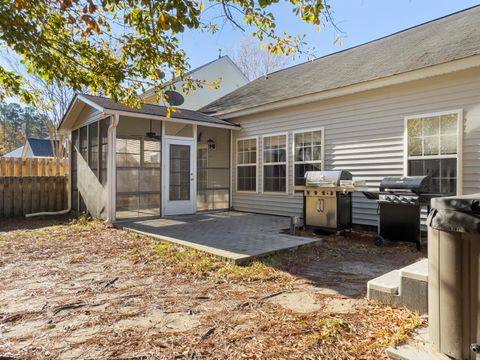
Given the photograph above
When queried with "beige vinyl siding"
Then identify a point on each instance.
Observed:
(88, 115)
(364, 133)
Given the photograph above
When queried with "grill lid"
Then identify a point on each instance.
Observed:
(326, 178)
(414, 184)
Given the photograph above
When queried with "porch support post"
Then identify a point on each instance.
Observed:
(112, 168)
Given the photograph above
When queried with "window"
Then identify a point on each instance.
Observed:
(308, 154)
(432, 149)
(275, 163)
(247, 164)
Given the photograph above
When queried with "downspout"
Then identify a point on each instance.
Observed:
(111, 169)
(69, 200)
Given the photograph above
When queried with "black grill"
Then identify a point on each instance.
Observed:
(400, 200)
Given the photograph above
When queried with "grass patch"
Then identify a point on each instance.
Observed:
(380, 326)
(331, 328)
(185, 260)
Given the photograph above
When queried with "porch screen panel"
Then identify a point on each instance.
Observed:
(213, 169)
(73, 170)
(103, 149)
(93, 148)
(83, 148)
(138, 169)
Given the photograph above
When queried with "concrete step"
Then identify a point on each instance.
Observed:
(416, 271)
(405, 287)
(419, 348)
(385, 288)
(414, 286)
(410, 352)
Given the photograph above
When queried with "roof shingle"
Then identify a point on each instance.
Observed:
(156, 110)
(453, 37)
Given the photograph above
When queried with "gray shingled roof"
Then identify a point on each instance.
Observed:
(41, 147)
(443, 40)
(156, 110)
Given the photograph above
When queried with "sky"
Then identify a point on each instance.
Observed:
(360, 20)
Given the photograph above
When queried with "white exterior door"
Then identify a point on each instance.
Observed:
(179, 179)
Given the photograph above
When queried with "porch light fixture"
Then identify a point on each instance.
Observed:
(211, 144)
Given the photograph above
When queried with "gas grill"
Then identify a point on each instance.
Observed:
(328, 199)
(400, 201)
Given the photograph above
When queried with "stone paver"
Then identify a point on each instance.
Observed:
(232, 235)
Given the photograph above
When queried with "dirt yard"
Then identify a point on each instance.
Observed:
(83, 290)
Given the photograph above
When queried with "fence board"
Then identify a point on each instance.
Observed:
(35, 194)
(33, 167)
(2, 167)
(30, 194)
(2, 212)
(7, 201)
(17, 197)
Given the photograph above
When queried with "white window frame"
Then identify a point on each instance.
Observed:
(237, 165)
(286, 163)
(458, 155)
(322, 154)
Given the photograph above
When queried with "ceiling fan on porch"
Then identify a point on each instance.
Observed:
(151, 134)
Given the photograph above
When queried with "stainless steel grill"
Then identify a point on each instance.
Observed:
(328, 199)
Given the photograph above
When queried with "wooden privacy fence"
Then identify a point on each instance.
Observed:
(32, 185)
(33, 167)
(31, 194)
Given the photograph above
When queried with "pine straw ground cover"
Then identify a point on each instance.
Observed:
(85, 290)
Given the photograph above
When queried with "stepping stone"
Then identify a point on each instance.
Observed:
(301, 302)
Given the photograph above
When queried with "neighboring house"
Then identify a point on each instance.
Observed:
(35, 148)
(406, 104)
(39, 148)
(17, 153)
(222, 68)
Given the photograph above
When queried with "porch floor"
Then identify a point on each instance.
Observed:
(235, 236)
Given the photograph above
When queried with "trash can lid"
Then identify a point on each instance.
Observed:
(464, 203)
(455, 213)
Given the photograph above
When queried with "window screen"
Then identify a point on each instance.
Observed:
(308, 153)
(247, 165)
(275, 163)
(432, 144)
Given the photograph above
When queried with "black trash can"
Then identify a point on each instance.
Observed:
(453, 275)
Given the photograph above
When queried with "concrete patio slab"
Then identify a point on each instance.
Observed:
(234, 236)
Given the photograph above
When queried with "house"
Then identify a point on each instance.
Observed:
(405, 104)
(223, 69)
(35, 148)
(17, 153)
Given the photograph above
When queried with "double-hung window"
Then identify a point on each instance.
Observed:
(275, 163)
(308, 154)
(247, 164)
(433, 147)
